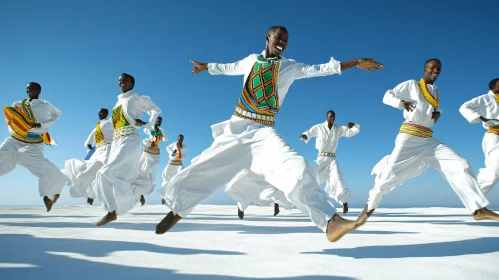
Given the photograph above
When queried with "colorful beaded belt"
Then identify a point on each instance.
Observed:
(416, 130)
(151, 150)
(240, 112)
(124, 131)
(30, 138)
(323, 154)
(493, 129)
(102, 143)
(175, 162)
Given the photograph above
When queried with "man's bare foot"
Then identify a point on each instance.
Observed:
(56, 197)
(90, 201)
(345, 208)
(48, 203)
(485, 214)
(110, 216)
(363, 216)
(163, 201)
(167, 223)
(240, 213)
(276, 209)
(142, 200)
(337, 227)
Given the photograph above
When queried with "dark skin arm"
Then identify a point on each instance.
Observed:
(90, 146)
(409, 106)
(367, 64)
(486, 120)
(304, 137)
(139, 122)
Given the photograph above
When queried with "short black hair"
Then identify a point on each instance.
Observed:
(180, 135)
(129, 76)
(275, 28)
(492, 83)
(432, 59)
(331, 111)
(104, 110)
(37, 85)
(159, 118)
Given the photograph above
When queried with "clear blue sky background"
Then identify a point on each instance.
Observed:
(77, 49)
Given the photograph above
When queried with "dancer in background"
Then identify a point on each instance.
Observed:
(113, 183)
(29, 121)
(81, 173)
(328, 134)
(485, 109)
(177, 152)
(416, 149)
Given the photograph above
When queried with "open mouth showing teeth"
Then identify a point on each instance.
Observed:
(279, 48)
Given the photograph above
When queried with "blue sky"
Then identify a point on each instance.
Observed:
(76, 50)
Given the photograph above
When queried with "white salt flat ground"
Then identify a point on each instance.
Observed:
(212, 243)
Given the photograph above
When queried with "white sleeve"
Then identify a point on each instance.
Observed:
(90, 139)
(153, 110)
(349, 132)
(469, 109)
(401, 92)
(240, 67)
(54, 116)
(302, 70)
(312, 132)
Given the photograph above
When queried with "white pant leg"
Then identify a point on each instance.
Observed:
(245, 188)
(146, 181)
(51, 180)
(459, 174)
(323, 167)
(113, 181)
(289, 172)
(169, 172)
(212, 170)
(336, 188)
(406, 161)
(488, 176)
(9, 155)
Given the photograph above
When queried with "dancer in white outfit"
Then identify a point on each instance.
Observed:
(114, 180)
(28, 121)
(81, 173)
(328, 134)
(485, 109)
(177, 152)
(249, 140)
(149, 161)
(416, 149)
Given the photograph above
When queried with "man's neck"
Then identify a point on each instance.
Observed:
(330, 125)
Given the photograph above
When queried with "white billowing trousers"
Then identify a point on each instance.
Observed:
(488, 176)
(81, 173)
(410, 158)
(146, 181)
(248, 187)
(243, 144)
(169, 172)
(14, 152)
(329, 172)
(113, 183)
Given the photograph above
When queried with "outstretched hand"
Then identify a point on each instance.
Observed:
(199, 66)
(303, 137)
(369, 64)
(350, 125)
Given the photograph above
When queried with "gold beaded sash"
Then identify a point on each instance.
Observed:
(416, 130)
